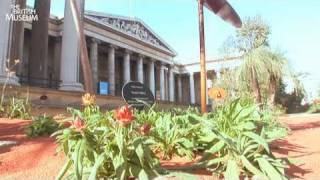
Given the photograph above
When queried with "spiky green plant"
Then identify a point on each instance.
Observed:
(236, 143)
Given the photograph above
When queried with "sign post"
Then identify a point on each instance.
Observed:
(137, 95)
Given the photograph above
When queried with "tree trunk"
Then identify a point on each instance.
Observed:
(256, 87)
(272, 89)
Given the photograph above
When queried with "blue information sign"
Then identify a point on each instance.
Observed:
(103, 88)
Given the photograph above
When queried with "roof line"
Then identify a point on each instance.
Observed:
(96, 13)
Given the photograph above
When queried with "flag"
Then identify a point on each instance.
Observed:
(223, 9)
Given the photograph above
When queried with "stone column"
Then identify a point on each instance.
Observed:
(94, 62)
(70, 52)
(191, 81)
(166, 80)
(162, 82)
(5, 25)
(179, 88)
(171, 84)
(111, 69)
(151, 77)
(57, 56)
(38, 59)
(126, 66)
(218, 75)
(140, 68)
(16, 49)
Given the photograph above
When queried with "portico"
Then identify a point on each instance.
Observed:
(120, 49)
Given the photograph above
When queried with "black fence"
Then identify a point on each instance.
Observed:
(39, 82)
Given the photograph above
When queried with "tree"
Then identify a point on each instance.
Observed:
(262, 67)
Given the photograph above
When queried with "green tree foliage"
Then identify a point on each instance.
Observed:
(262, 68)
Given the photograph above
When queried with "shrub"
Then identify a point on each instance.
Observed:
(315, 107)
(41, 126)
(122, 144)
(173, 133)
(18, 108)
(106, 145)
(15, 106)
(273, 128)
(236, 144)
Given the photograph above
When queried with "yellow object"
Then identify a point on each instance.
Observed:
(217, 93)
(88, 99)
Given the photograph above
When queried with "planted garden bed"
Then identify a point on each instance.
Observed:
(30, 160)
(232, 142)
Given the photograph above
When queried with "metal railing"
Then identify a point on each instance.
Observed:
(39, 82)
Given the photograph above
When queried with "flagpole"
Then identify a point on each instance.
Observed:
(203, 74)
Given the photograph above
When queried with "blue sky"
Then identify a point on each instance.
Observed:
(295, 27)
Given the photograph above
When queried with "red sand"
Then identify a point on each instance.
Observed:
(31, 159)
(36, 159)
(302, 146)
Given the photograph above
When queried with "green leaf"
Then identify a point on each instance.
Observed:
(214, 161)
(217, 147)
(140, 153)
(64, 170)
(271, 171)
(247, 164)
(119, 166)
(76, 159)
(246, 126)
(94, 169)
(258, 139)
(143, 175)
(232, 171)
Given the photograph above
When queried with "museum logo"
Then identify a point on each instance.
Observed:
(18, 14)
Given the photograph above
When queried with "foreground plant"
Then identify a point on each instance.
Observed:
(121, 144)
(101, 146)
(236, 144)
(172, 134)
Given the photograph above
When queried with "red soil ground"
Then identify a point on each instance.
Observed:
(36, 159)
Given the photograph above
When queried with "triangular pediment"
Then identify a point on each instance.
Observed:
(133, 27)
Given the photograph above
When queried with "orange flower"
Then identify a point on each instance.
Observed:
(217, 93)
(145, 129)
(316, 101)
(124, 115)
(79, 124)
(88, 99)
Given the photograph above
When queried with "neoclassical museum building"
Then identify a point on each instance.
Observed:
(120, 49)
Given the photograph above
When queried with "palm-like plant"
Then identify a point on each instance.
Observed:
(262, 67)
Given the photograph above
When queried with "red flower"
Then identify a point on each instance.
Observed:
(145, 129)
(79, 124)
(124, 115)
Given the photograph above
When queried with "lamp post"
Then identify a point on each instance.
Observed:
(223, 9)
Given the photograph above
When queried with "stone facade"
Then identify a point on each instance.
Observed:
(120, 49)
